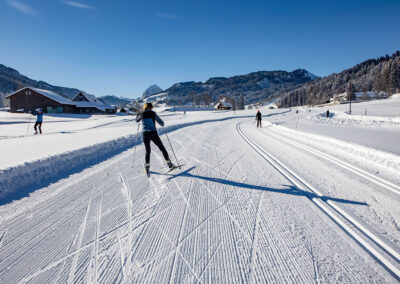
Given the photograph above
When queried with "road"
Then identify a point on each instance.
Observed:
(249, 205)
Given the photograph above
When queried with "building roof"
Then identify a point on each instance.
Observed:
(90, 98)
(92, 102)
(99, 106)
(224, 104)
(49, 94)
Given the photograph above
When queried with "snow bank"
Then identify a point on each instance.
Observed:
(344, 119)
(366, 154)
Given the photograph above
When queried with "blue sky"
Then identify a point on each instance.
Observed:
(121, 47)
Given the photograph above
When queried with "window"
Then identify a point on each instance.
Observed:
(60, 109)
(28, 93)
(50, 109)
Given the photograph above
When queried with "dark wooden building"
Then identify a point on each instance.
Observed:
(28, 99)
(86, 103)
(223, 106)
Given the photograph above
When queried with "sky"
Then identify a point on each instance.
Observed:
(121, 47)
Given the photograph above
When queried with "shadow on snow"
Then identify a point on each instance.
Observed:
(292, 190)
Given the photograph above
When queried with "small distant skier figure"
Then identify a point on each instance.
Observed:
(39, 119)
(258, 118)
(149, 118)
(327, 113)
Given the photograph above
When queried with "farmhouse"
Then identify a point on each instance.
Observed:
(28, 99)
(223, 106)
(86, 103)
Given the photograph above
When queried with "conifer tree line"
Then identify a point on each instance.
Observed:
(381, 74)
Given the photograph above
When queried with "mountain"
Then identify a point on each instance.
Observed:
(255, 87)
(381, 74)
(114, 100)
(11, 80)
(153, 89)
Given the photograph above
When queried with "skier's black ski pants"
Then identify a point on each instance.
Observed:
(258, 122)
(40, 126)
(153, 136)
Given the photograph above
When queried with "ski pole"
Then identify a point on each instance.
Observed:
(30, 116)
(171, 148)
(134, 150)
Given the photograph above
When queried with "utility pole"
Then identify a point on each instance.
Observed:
(349, 92)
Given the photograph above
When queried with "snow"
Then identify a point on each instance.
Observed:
(311, 75)
(303, 199)
(264, 83)
(156, 97)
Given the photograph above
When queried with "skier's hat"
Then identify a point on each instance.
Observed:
(147, 106)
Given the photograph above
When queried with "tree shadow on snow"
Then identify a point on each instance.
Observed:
(287, 189)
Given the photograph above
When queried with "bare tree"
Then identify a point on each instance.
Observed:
(198, 100)
(192, 97)
(207, 99)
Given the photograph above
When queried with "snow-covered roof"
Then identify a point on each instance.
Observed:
(92, 102)
(100, 106)
(48, 94)
(224, 104)
(90, 98)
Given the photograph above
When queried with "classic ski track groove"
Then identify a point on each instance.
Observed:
(255, 238)
(181, 230)
(333, 211)
(354, 169)
(79, 234)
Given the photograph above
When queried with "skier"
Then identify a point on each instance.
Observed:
(258, 118)
(149, 118)
(39, 119)
(327, 113)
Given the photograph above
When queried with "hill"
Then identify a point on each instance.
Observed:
(254, 87)
(11, 80)
(114, 100)
(153, 89)
(381, 74)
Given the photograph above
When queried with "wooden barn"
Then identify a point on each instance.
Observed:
(223, 106)
(28, 99)
(86, 103)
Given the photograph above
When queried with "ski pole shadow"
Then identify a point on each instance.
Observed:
(287, 189)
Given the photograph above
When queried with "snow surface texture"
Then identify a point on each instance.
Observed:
(278, 204)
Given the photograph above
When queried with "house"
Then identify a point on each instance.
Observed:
(223, 106)
(28, 99)
(86, 103)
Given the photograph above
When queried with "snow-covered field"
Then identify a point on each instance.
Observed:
(304, 199)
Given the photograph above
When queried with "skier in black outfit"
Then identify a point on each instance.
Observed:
(149, 118)
(258, 118)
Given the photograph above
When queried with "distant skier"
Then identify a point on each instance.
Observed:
(327, 113)
(149, 118)
(39, 119)
(258, 118)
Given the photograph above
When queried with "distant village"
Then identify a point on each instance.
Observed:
(28, 99)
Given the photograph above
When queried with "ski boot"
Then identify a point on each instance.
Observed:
(147, 169)
(171, 165)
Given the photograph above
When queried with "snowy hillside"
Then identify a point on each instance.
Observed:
(304, 199)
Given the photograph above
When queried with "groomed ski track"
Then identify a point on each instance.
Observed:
(250, 205)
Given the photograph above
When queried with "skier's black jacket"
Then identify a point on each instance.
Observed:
(149, 118)
(258, 116)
